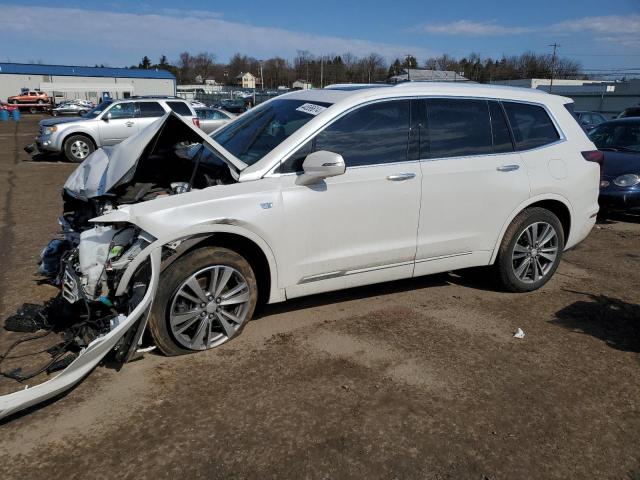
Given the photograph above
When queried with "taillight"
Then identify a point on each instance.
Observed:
(595, 156)
(196, 122)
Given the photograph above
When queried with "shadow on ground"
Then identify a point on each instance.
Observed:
(613, 321)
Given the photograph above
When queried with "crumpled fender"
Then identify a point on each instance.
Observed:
(90, 356)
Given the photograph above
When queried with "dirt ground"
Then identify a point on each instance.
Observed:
(411, 379)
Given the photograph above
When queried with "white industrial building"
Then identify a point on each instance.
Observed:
(603, 96)
(86, 83)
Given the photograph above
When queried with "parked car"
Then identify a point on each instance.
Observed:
(590, 120)
(313, 191)
(107, 124)
(72, 107)
(30, 97)
(620, 185)
(236, 106)
(630, 112)
(213, 118)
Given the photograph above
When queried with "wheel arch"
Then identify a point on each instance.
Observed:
(239, 239)
(556, 204)
(78, 132)
(246, 247)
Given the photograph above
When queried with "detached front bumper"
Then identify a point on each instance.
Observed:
(95, 351)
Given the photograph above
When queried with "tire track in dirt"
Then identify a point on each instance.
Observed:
(8, 222)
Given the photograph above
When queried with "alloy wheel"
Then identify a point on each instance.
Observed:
(80, 149)
(209, 307)
(535, 252)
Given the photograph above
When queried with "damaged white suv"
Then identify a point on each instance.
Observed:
(181, 235)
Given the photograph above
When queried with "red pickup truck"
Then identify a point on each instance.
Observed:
(29, 97)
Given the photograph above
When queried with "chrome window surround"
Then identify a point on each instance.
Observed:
(272, 171)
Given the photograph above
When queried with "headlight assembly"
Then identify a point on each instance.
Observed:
(627, 180)
(50, 130)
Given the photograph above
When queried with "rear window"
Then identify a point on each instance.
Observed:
(531, 125)
(150, 109)
(180, 108)
(458, 128)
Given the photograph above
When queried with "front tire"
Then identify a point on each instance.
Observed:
(204, 300)
(531, 250)
(77, 148)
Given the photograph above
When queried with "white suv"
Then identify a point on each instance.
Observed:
(109, 123)
(314, 191)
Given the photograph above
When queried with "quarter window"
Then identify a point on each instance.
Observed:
(457, 127)
(531, 125)
(373, 134)
(150, 109)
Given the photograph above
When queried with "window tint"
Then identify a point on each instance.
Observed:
(499, 128)
(180, 108)
(531, 125)
(458, 128)
(373, 134)
(150, 109)
(122, 110)
(295, 161)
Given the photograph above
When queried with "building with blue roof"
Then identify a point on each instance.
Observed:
(87, 83)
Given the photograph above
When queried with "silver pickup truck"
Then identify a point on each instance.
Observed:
(109, 123)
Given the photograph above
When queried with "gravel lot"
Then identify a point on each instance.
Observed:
(411, 379)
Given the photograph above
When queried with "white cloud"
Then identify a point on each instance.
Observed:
(617, 29)
(105, 36)
(471, 28)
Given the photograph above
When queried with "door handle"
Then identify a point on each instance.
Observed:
(508, 168)
(400, 177)
(129, 123)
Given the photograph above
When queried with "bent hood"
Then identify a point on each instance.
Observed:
(107, 167)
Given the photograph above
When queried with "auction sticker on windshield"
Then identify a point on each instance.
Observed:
(311, 109)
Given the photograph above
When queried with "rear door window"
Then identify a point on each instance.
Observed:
(150, 109)
(531, 125)
(180, 108)
(457, 128)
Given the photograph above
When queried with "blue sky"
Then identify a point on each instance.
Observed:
(602, 34)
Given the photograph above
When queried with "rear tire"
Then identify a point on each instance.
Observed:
(531, 250)
(204, 300)
(77, 148)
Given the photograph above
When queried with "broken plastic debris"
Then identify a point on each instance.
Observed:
(519, 333)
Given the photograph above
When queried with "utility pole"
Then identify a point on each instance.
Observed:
(261, 76)
(553, 64)
(322, 71)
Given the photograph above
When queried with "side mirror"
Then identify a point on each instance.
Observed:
(323, 164)
(106, 117)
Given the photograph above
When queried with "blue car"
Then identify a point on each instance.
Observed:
(619, 140)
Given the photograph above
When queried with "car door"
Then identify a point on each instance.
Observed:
(118, 123)
(472, 180)
(359, 227)
(147, 113)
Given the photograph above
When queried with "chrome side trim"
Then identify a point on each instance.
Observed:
(344, 273)
(430, 259)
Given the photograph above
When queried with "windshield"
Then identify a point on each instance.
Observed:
(98, 109)
(263, 128)
(617, 136)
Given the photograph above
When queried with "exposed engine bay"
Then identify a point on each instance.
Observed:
(105, 283)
